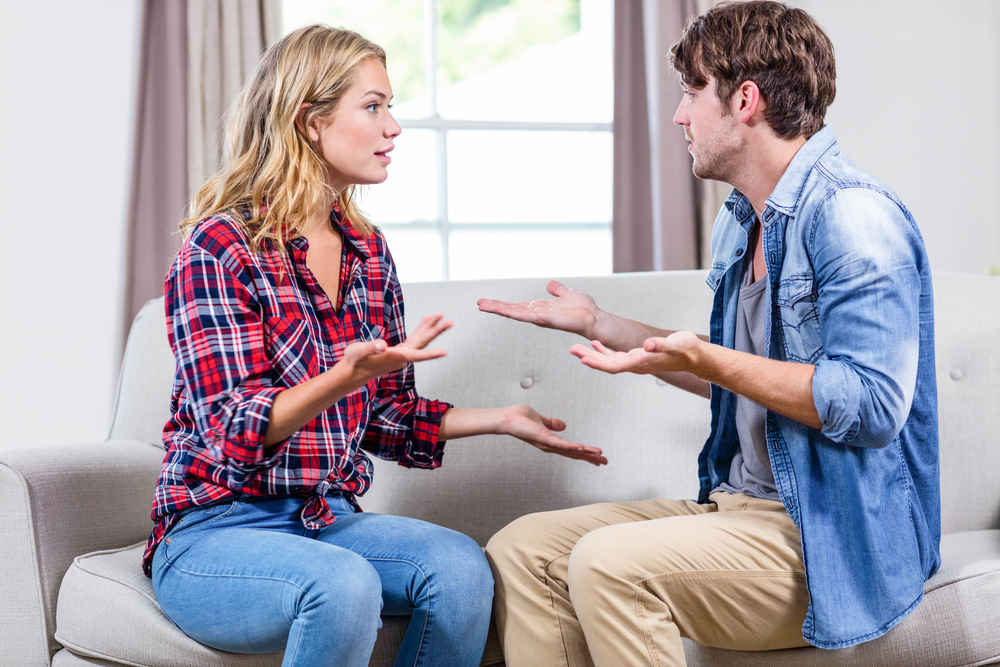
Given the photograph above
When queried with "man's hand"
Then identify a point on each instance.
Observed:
(370, 359)
(676, 352)
(570, 310)
(522, 422)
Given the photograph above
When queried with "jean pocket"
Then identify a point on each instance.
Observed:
(193, 521)
(799, 318)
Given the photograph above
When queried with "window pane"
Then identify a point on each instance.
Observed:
(525, 60)
(417, 253)
(475, 254)
(529, 176)
(410, 192)
(398, 27)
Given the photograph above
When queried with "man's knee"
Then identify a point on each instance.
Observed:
(594, 565)
(511, 547)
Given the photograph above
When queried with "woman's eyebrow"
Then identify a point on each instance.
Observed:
(379, 93)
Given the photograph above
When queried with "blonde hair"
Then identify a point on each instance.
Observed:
(272, 176)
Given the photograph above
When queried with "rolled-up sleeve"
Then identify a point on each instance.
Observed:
(863, 250)
(217, 336)
(404, 426)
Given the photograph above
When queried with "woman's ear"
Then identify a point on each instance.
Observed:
(307, 129)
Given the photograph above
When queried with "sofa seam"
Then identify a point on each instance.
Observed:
(962, 579)
(78, 564)
(92, 653)
(33, 543)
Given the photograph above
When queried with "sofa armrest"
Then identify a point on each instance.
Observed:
(55, 504)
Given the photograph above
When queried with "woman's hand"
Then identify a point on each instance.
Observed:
(570, 311)
(522, 422)
(676, 352)
(371, 359)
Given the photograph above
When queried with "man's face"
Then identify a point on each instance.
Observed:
(712, 132)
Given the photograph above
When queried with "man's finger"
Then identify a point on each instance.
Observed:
(556, 288)
(655, 344)
(554, 424)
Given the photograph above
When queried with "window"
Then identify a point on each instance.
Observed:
(504, 165)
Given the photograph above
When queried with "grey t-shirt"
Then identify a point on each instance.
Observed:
(750, 472)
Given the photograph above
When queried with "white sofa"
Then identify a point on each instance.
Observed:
(73, 519)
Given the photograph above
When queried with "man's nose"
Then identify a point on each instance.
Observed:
(680, 117)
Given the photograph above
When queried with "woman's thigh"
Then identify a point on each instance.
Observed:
(414, 558)
(240, 588)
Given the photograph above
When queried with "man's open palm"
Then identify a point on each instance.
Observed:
(570, 310)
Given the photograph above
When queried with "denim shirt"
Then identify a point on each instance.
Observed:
(850, 291)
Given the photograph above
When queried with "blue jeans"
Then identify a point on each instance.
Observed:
(248, 577)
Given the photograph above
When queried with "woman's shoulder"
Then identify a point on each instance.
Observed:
(220, 240)
(219, 235)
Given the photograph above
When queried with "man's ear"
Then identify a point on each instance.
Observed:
(309, 130)
(747, 101)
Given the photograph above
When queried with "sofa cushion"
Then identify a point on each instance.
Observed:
(110, 586)
(958, 622)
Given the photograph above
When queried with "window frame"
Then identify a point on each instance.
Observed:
(442, 125)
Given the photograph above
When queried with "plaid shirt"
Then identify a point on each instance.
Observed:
(245, 326)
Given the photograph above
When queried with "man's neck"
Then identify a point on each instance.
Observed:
(765, 164)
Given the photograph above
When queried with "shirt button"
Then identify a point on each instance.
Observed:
(956, 374)
(167, 540)
(527, 383)
(739, 252)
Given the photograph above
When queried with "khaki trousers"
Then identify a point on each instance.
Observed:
(617, 584)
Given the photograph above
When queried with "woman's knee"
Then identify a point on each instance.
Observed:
(458, 564)
(343, 593)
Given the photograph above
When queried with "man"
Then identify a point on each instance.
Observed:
(818, 515)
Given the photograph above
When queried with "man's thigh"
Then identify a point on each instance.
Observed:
(732, 578)
(543, 541)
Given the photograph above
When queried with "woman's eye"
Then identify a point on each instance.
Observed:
(372, 107)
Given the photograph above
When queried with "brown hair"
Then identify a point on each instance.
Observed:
(271, 168)
(780, 49)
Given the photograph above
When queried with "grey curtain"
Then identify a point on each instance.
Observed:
(159, 177)
(195, 56)
(662, 214)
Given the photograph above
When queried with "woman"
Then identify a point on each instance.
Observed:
(286, 320)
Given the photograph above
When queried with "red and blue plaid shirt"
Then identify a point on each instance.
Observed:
(244, 326)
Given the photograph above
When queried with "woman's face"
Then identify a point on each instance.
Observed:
(356, 139)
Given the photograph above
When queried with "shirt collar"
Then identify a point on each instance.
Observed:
(352, 238)
(785, 196)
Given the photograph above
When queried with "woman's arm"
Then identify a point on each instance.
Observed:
(296, 406)
(520, 421)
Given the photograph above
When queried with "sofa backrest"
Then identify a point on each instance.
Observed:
(650, 432)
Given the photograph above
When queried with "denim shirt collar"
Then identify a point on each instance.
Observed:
(786, 194)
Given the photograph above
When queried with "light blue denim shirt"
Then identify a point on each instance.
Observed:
(851, 294)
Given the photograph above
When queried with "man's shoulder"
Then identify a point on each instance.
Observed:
(837, 182)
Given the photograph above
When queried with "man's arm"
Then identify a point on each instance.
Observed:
(781, 386)
(578, 313)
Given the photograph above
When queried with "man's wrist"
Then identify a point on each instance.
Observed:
(597, 326)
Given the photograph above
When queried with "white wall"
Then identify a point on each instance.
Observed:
(918, 106)
(67, 72)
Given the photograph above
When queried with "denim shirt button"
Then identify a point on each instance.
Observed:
(739, 252)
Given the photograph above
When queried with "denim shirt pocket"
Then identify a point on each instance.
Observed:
(290, 349)
(799, 318)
